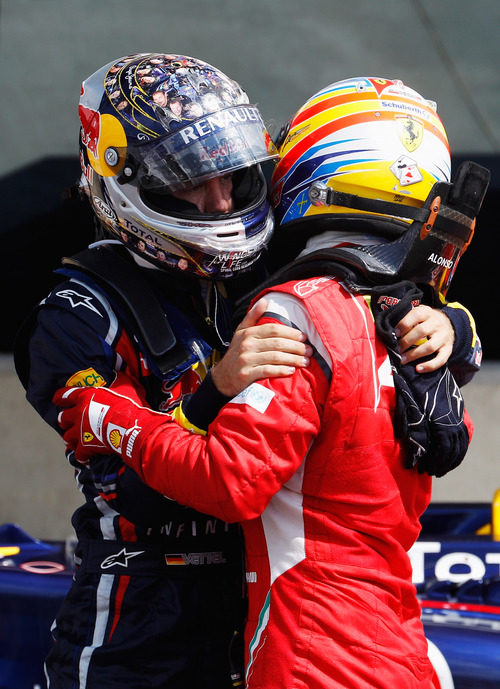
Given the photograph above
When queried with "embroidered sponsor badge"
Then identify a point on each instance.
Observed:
(256, 396)
(76, 299)
(175, 560)
(305, 287)
(121, 558)
(96, 414)
(88, 437)
(88, 378)
(115, 437)
(210, 558)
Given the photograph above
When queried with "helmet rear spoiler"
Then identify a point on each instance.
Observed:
(425, 252)
(429, 250)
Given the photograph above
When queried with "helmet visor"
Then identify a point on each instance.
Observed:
(210, 146)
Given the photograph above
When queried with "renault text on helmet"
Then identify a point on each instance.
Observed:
(155, 125)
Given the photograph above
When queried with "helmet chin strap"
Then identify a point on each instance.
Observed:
(429, 250)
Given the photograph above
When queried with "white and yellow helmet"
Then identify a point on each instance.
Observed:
(371, 155)
(367, 136)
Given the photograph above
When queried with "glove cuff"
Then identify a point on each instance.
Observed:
(121, 425)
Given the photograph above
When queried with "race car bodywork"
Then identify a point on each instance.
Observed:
(456, 568)
(34, 577)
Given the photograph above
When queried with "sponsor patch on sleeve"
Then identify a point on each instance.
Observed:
(89, 378)
(256, 396)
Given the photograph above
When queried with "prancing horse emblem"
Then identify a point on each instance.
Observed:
(411, 133)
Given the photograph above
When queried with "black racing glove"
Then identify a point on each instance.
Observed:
(429, 406)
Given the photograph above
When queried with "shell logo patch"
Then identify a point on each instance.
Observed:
(115, 438)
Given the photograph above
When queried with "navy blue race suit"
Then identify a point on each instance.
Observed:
(157, 593)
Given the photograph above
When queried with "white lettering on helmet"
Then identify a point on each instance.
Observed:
(217, 121)
(441, 261)
(103, 209)
(147, 236)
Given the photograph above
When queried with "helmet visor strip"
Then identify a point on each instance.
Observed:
(211, 146)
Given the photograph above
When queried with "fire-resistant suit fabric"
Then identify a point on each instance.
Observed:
(312, 468)
(157, 590)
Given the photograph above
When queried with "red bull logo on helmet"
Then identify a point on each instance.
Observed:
(91, 128)
(99, 132)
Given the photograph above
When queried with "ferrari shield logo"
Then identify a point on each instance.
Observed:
(411, 133)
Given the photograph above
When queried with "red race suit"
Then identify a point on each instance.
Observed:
(312, 468)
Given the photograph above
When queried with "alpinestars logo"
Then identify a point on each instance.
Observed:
(121, 559)
(76, 299)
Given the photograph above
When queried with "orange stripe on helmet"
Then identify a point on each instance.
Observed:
(300, 147)
(330, 102)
